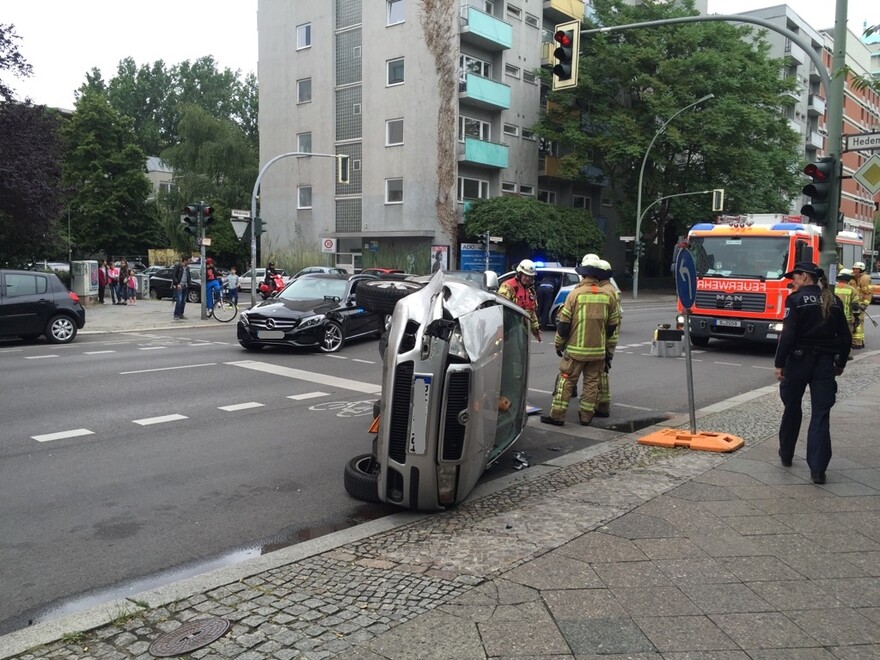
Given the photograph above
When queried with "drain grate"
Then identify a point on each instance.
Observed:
(189, 637)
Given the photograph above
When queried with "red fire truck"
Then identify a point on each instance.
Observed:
(740, 262)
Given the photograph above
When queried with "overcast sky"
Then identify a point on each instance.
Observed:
(64, 39)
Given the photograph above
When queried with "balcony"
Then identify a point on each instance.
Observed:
(814, 73)
(483, 153)
(484, 31)
(796, 126)
(816, 105)
(815, 141)
(549, 166)
(484, 93)
(794, 53)
(560, 11)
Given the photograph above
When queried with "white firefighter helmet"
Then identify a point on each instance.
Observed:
(860, 265)
(527, 267)
(590, 260)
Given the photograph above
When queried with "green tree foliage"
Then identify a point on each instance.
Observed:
(214, 162)
(529, 226)
(104, 170)
(11, 60)
(631, 82)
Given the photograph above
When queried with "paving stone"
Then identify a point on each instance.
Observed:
(555, 570)
(795, 595)
(583, 603)
(684, 633)
(763, 630)
(439, 635)
(654, 601)
(704, 570)
(762, 569)
(854, 592)
(632, 574)
(638, 526)
(604, 636)
(597, 547)
(670, 548)
(840, 626)
(515, 638)
(725, 598)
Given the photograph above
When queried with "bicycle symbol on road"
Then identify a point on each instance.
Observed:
(347, 408)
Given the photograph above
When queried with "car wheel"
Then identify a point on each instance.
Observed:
(380, 296)
(702, 342)
(334, 338)
(60, 329)
(362, 478)
(248, 346)
(154, 295)
(193, 297)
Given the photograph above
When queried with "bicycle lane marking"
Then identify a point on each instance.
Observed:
(309, 376)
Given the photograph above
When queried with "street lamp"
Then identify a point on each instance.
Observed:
(639, 196)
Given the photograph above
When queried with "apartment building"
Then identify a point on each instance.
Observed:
(434, 107)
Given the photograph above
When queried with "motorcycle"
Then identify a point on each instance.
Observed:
(272, 286)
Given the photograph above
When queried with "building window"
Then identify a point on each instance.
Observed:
(472, 189)
(303, 36)
(393, 132)
(356, 109)
(468, 64)
(530, 77)
(527, 190)
(356, 52)
(528, 134)
(514, 12)
(547, 196)
(532, 20)
(489, 7)
(512, 71)
(304, 142)
(475, 128)
(394, 191)
(580, 202)
(356, 165)
(395, 12)
(304, 90)
(508, 187)
(395, 71)
(304, 197)
(511, 129)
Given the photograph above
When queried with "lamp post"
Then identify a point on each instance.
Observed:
(639, 196)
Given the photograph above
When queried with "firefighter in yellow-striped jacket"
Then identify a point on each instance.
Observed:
(603, 401)
(861, 285)
(843, 290)
(587, 320)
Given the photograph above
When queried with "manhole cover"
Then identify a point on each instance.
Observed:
(189, 637)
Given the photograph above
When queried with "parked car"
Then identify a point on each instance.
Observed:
(160, 285)
(566, 279)
(57, 266)
(454, 383)
(875, 287)
(311, 270)
(35, 303)
(244, 282)
(319, 311)
(151, 270)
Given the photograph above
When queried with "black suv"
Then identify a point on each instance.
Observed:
(34, 304)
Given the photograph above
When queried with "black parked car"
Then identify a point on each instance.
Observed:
(160, 285)
(34, 304)
(315, 311)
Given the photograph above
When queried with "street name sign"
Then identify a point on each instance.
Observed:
(238, 213)
(862, 142)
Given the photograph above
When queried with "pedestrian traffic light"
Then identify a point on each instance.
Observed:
(566, 55)
(820, 190)
(639, 249)
(190, 219)
(343, 168)
(207, 215)
(259, 227)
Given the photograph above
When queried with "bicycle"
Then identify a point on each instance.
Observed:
(224, 309)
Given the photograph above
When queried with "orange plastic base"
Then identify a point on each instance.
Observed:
(702, 441)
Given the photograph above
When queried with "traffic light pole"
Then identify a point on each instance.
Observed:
(256, 193)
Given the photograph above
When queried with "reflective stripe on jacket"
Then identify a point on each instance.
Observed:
(846, 294)
(593, 315)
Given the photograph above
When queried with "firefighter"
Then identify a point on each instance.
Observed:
(520, 289)
(603, 401)
(587, 319)
(813, 349)
(843, 290)
(861, 284)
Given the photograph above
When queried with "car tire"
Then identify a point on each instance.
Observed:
(380, 296)
(193, 297)
(362, 478)
(702, 342)
(334, 337)
(154, 295)
(60, 329)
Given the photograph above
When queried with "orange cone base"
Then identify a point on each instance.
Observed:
(702, 441)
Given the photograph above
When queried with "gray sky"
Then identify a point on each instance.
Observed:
(63, 39)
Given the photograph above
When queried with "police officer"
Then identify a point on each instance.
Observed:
(861, 283)
(520, 289)
(813, 348)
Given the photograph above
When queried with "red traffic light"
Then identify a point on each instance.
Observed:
(815, 172)
(191, 210)
(563, 38)
(208, 210)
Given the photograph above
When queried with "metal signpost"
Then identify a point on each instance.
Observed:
(686, 288)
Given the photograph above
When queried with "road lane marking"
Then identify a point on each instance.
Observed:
(185, 366)
(159, 420)
(152, 348)
(61, 435)
(336, 357)
(758, 366)
(307, 395)
(39, 357)
(96, 352)
(363, 361)
(310, 376)
(625, 405)
(729, 364)
(241, 406)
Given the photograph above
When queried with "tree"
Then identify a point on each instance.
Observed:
(529, 227)
(104, 168)
(11, 60)
(631, 82)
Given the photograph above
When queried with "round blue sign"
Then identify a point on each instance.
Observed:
(685, 278)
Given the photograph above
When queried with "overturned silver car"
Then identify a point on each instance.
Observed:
(455, 376)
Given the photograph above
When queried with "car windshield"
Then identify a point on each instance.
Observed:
(314, 288)
(740, 256)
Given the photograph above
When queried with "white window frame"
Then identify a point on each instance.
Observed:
(355, 108)
(303, 36)
(355, 164)
(388, 64)
(470, 64)
(585, 204)
(512, 71)
(388, 191)
(484, 129)
(389, 5)
(299, 90)
(514, 12)
(508, 187)
(388, 123)
(528, 134)
(300, 190)
(356, 52)
(528, 191)
(530, 77)
(533, 20)
(300, 138)
(547, 196)
(482, 185)
(510, 129)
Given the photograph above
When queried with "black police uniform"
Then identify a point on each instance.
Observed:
(809, 349)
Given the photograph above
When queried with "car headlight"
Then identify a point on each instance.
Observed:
(243, 318)
(456, 344)
(311, 321)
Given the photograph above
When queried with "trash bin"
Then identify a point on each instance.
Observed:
(143, 286)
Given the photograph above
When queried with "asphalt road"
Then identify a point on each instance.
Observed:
(132, 459)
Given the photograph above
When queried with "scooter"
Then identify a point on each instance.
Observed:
(267, 289)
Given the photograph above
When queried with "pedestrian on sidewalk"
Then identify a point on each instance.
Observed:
(131, 287)
(180, 281)
(113, 283)
(212, 285)
(232, 284)
(813, 349)
(102, 280)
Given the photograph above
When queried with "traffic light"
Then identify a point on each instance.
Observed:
(567, 53)
(190, 219)
(343, 168)
(207, 215)
(718, 199)
(259, 227)
(820, 190)
(639, 248)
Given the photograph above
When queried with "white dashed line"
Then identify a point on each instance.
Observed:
(729, 364)
(307, 395)
(309, 376)
(337, 357)
(241, 406)
(363, 361)
(159, 420)
(152, 348)
(96, 352)
(38, 357)
(186, 366)
(75, 433)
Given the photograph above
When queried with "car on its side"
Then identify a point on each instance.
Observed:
(244, 282)
(875, 287)
(311, 270)
(160, 285)
(454, 384)
(316, 311)
(36, 303)
(382, 271)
